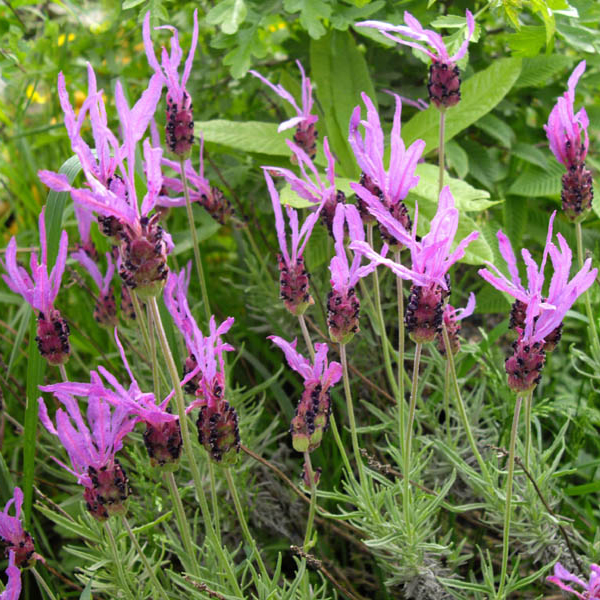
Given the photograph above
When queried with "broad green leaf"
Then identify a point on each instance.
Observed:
(535, 182)
(528, 41)
(340, 73)
(228, 14)
(497, 128)
(457, 158)
(240, 58)
(312, 12)
(531, 154)
(480, 94)
(343, 17)
(515, 219)
(538, 70)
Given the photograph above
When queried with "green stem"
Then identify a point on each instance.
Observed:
(139, 318)
(307, 340)
(117, 560)
(63, 372)
(441, 150)
(190, 215)
(152, 349)
(528, 406)
(401, 336)
(187, 445)
(340, 445)
(588, 306)
(509, 485)
(214, 498)
(461, 406)
(242, 519)
(147, 566)
(350, 408)
(408, 439)
(182, 522)
(382, 333)
(42, 582)
(447, 399)
(313, 501)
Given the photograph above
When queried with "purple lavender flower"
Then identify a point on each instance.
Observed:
(218, 429)
(13, 587)
(322, 194)
(569, 142)
(342, 303)
(306, 134)
(180, 119)
(313, 410)
(590, 591)
(210, 197)
(431, 260)
(444, 76)
(452, 318)
(40, 291)
(92, 453)
(541, 315)
(293, 279)
(392, 186)
(14, 540)
(105, 310)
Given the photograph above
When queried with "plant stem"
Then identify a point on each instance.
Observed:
(242, 519)
(528, 405)
(214, 499)
(182, 522)
(152, 349)
(509, 485)
(382, 333)
(313, 501)
(408, 438)
(588, 306)
(350, 408)
(117, 560)
(139, 318)
(42, 583)
(307, 340)
(401, 336)
(63, 372)
(461, 406)
(149, 569)
(441, 150)
(187, 445)
(190, 215)
(447, 398)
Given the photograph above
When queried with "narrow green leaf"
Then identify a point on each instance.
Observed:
(24, 315)
(86, 594)
(480, 94)
(36, 367)
(340, 73)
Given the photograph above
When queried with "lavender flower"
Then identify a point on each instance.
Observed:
(541, 316)
(590, 591)
(218, 429)
(180, 119)
(390, 186)
(14, 540)
(431, 260)
(92, 449)
(306, 134)
(312, 414)
(444, 76)
(322, 194)
(105, 310)
(342, 303)
(569, 142)
(293, 280)
(452, 318)
(40, 291)
(13, 587)
(210, 197)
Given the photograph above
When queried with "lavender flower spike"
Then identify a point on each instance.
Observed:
(14, 540)
(537, 318)
(342, 303)
(444, 76)
(13, 587)
(313, 410)
(568, 137)
(452, 318)
(293, 279)
(390, 186)
(590, 591)
(40, 291)
(304, 121)
(180, 120)
(92, 449)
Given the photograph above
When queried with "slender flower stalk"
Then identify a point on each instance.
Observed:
(401, 342)
(41, 582)
(112, 544)
(441, 151)
(528, 406)
(508, 497)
